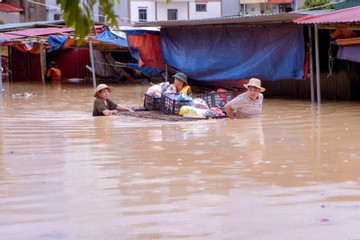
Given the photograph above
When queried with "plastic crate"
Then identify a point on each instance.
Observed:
(151, 103)
(217, 99)
(170, 105)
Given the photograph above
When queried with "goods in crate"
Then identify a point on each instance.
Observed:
(171, 103)
(193, 112)
(153, 95)
(217, 99)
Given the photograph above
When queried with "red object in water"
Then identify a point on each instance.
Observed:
(325, 220)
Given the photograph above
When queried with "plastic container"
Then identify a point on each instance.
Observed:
(151, 103)
(217, 99)
(170, 105)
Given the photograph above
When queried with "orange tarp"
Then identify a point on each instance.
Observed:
(149, 50)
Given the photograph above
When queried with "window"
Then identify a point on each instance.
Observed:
(172, 14)
(242, 6)
(201, 7)
(142, 14)
(57, 16)
(286, 7)
(101, 16)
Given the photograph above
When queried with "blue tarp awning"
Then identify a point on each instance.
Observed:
(56, 42)
(110, 37)
(231, 52)
(145, 70)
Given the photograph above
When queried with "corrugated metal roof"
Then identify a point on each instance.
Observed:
(34, 32)
(348, 15)
(11, 26)
(7, 7)
(266, 18)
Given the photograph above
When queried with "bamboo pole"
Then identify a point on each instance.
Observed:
(317, 62)
(92, 64)
(42, 62)
(0, 71)
(311, 65)
(166, 72)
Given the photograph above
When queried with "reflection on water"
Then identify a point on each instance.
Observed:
(67, 175)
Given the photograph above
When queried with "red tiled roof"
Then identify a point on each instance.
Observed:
(347, 15)
(7, 7)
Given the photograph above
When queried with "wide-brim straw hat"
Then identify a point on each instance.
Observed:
(181, 76)
(101, 87)
(254, 82)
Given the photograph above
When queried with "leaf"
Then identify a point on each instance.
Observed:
(79, 15)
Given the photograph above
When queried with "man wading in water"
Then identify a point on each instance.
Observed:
(249, 103)
(103, 106)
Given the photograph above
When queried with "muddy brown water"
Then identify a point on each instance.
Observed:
(293, 174)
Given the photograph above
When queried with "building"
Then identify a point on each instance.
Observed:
(10, 13)
(230, 7)
(280, 6)
(255, 7)
(33, 11)
(53, 12)
(159, 10)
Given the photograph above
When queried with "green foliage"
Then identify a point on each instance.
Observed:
(79, 15)
(316, 3)
(267, 12)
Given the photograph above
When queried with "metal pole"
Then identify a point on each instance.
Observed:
(244, 8)
(311, 65)
(92, 64)
(42, 62)
(166, 72)
(0, 71)
(317, 62)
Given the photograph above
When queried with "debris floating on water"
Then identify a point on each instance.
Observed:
(26, 94)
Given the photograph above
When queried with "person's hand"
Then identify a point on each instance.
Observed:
(130, 110)
(114, 112)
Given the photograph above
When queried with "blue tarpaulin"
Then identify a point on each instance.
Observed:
(231, 52)
(110, 37)
(56, 42)
(145, 70)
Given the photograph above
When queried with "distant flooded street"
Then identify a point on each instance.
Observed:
(293, 174)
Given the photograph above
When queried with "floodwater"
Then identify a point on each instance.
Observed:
(294, 174)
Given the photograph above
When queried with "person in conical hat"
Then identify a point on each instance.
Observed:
(249, 103)
(103, 106)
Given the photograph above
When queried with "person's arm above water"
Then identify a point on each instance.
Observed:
(108, 112)
(100, 108)
(229, 111)
(123, 108)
